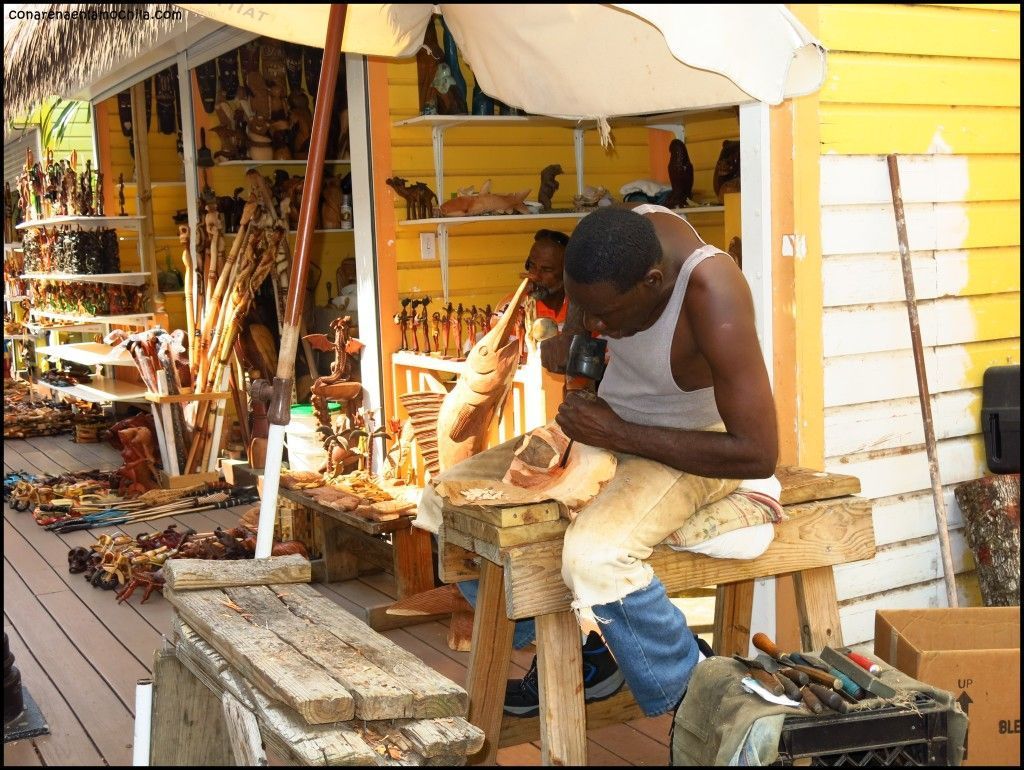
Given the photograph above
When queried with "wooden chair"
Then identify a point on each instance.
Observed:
(520, 577)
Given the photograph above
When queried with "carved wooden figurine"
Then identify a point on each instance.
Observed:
(680, 174)
(548, 185)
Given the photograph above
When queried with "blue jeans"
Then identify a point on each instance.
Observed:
(525, 630)
(655, 649)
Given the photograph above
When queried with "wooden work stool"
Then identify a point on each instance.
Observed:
(518, 550)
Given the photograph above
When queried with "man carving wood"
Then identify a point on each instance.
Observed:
(685, 406)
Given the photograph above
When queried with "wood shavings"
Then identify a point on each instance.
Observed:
(478, 495)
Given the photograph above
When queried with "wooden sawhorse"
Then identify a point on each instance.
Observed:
(520, 577)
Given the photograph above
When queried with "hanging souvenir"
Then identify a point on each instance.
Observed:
(206, 78)
(312, 61)
(293, 65)
(227, 74)
(165, 113)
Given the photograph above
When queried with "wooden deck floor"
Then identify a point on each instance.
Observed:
(80, 653)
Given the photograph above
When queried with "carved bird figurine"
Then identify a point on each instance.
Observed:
(680, 174)
(727, 169)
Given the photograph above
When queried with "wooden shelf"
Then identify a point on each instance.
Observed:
(279, 163)
(126, 279)
(95, 222)
(523, 217)
(135, 318)
(102, 389)
(67, 327)
(89, 354)
(19, 337)
(185, 398)
(450, 121)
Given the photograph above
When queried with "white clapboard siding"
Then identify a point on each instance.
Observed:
(862, 279)
(871, 228)
(857, 618)
(880, 376)
(863, 179)
(900, 471)
(912, 516)
(897, 422)
(901, 565)
(946, 321)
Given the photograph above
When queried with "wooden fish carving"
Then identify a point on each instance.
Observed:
(485, 203)
(481, 390)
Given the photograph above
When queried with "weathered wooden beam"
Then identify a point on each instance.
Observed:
(512, 515)
(803, 485)
(503, 537)
(194, 574)
(246, 743)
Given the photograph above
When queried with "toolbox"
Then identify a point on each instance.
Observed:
(885, 737)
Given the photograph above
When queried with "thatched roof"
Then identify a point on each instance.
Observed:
(59, 55)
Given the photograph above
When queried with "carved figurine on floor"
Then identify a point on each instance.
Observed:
(138, 473)
(548, 185)
(680, 175)
(727, 170)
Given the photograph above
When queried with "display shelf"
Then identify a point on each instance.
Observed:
(16, 297)
(280, 163)
(19, 337)
(13, 245)
(546, 215)
(102, 389)
(451, 121)
(128, 319)
(89, 354)
(66, 327)
(155, 185)
(82, 221)
(126, 279)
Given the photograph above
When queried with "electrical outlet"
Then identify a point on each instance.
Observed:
(428, 246)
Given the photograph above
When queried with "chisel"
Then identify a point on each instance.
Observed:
(829, 698)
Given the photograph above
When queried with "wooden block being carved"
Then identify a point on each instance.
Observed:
(803, 485)
(503, 537)
(191, 574)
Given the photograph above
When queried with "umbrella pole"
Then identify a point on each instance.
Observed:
(280, 406)
(922, 383)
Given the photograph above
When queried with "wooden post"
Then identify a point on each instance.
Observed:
(246, 743)
(817, 609)
(563, 716)
(734, 604)
(991, 508)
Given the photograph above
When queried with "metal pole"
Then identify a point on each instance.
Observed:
(922, 383)
(280, 403)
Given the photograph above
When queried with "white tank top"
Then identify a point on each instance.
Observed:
(638, 383)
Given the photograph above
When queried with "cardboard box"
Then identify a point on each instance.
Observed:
(972, 652)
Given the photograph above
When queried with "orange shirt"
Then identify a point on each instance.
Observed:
(543, 311)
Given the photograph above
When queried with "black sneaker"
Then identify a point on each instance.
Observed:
(704, 647)
(601, 680)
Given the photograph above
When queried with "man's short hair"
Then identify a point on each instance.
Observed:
(612, 245)
(552, 236)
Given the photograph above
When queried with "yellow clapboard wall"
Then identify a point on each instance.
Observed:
(940, 87)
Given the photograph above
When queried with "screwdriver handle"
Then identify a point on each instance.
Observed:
(792, 691)
(811, 700)
(799, 677)
(820, 677)
(765, 644)
(868, 665)
(770, 683)
(830, 698)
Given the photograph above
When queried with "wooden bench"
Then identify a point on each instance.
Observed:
(519, 568)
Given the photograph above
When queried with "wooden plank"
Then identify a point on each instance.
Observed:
(817, 534)
(912, 516)
(856, 78)
(920, 30)
(481, 548)
(263, 658)
(560, 676)
(895, 423)
(37, 574)
(861, 179)
(817, 610)
(957, 367)
(433, 695)
(456, 564)
(437, 737)
(283, 729)
(509, 516)
(944, 321)
(504, 537)
(244, 732)
(848, 129)
(187, 723)
(801, 485)
(413, 561)
(191, 574)
(68, 743)
(488, 664)
(92, 699)
(377, 695)
(734, 605)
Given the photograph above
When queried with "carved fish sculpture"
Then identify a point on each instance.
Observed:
(485, 203)
(481, 390)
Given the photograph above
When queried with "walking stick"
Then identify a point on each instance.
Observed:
(922, 383)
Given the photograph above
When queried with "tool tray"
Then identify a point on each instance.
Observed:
(889, 736)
